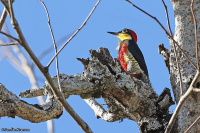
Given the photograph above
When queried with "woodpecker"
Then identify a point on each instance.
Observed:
(130, 55)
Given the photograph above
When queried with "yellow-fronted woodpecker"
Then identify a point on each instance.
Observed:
(130, 56)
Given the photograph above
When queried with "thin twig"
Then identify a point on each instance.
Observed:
(24, 68)
(80, 121)
(168, 23)
(196, 39)
(192, 125)
(55, 47)
(9, 36)
(15, 62)
(3, 18)
(51, 48)
(190, 89)
(177, 61)
(181, 102)
(24, 65)
(21, 56)
(74, 34)
(150, 16)
(171, 37)
(7, 44)
(44, 70)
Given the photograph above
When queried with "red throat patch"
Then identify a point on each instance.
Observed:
(120, 55)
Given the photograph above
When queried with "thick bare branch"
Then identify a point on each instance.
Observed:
(196, 90)
(11, 105)
(100, 112)
(181, 102)
(177, 61)
(27, 70)
(190, 89)
(43, 70)
(125, 96)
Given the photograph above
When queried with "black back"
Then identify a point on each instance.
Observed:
(137, 54)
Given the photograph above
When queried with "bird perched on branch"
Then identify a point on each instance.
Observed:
(130, 56)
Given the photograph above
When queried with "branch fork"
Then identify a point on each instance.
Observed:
(125, 96)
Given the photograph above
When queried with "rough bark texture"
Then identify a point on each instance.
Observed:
(125, 96)
(11, 106)
(185, 36)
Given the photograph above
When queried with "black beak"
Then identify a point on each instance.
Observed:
(114, 33)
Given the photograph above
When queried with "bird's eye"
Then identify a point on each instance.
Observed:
(124, 31)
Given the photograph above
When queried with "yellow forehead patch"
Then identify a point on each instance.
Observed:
(124, 36)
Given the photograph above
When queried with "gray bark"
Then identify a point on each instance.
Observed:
(125, 96)
(11, 106)
(185, 36)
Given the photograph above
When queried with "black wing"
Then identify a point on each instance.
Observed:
(137, 54)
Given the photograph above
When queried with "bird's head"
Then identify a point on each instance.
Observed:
(125, 34)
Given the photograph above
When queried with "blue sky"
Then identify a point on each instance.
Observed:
(66, 16)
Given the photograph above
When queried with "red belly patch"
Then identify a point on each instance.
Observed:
(120, 55)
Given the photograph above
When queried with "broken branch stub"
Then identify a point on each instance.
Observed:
(125, 96)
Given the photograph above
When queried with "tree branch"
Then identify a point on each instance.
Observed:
(181, 102)
(12, 106)
(26, 70)
(15, 62)
(55, 47)
(192, 125)
(74, 34)
(196, 39)
(3, 18)
(100, 112)
(196, 90)
(171, 37)
(43, 70)
(7, 44)
(10, 36)
(190, 89)
(125, 96)
(177, 61)
(51, 48)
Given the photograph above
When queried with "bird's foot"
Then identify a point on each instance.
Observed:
(136, 75)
